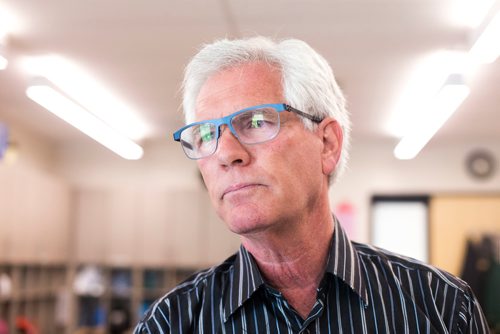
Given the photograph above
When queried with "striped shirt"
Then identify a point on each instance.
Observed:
(364, 290)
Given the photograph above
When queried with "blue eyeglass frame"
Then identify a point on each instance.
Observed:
(279, 107)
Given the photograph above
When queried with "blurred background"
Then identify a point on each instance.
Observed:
(100, 211)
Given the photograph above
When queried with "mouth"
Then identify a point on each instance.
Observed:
(238, 188)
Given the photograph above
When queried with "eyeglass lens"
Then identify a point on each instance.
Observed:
(250, 127)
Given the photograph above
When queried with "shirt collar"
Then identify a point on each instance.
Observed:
(343, 262)
(244, 280)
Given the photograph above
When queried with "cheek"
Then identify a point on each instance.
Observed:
(290, 160)
(206, 175)
(302, 163)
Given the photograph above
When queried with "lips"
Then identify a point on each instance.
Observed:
(239, 187)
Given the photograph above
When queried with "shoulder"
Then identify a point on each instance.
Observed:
(378, 259)
(198, 281)
(185, 297)
(443, 297)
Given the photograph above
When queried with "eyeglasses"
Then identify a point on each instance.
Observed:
(252, 125)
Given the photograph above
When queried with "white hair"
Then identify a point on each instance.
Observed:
(307, 78)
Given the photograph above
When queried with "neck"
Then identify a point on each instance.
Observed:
(293, 260)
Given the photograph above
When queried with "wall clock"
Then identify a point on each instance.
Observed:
(480, 164)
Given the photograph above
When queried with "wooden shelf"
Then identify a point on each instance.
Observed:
(33, 295)
(50, 229)
(37, 291)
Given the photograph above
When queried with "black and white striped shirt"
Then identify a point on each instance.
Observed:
(365, 290)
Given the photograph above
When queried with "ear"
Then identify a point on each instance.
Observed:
(331, 135)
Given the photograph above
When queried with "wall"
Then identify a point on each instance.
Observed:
(34, 202)
(439, 168)
(153, 211)
(31, 150)
(372, 170)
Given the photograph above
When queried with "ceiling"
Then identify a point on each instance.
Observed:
(138, 50)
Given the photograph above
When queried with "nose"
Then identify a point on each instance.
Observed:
(230, 151)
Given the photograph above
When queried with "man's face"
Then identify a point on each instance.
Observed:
(261, 186)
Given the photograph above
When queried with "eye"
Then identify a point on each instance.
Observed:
(203, 134)
(257, 121)
(206, 132)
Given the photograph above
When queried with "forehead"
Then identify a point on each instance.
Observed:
(239, 87)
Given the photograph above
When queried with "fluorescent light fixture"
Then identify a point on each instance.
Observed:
(3, 63)
(441, 107)
(428, 74)
(3, 26)
(486, 49)
(89, 93)
(74, 114)
(9, 22)
(469, 13)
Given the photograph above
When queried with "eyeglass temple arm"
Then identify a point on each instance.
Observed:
(303, 114)
(186, 144)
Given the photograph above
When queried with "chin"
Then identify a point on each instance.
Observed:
(244, 222)
(246, 215)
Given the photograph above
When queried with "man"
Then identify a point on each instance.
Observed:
(268, 129)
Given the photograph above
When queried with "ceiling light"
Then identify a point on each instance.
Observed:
(441, 107)
(3, 63)
(469, 12)
(9, 21)
(3, 26)
(486, 49)
(89, 93)
(77, 116)
(3, 60)
(428, 75)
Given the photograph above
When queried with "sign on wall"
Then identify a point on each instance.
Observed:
(4, 139)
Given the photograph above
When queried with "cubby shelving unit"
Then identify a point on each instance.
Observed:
(34, 293)
(129, 292)
(38, 292)
(143, 239)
